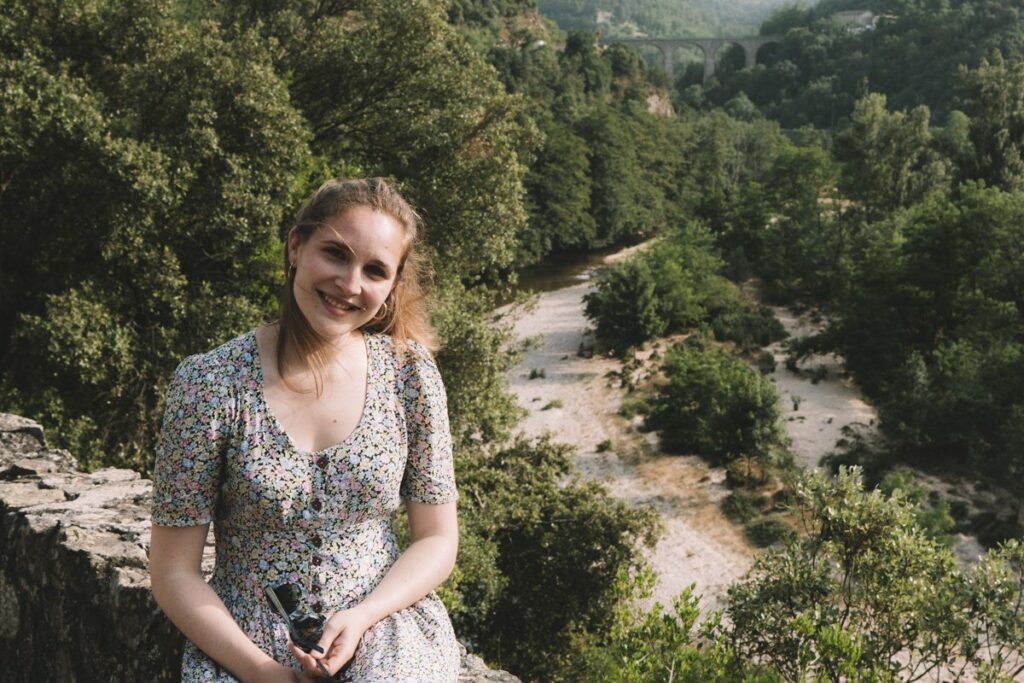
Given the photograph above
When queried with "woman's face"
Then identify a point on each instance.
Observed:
(346, 269)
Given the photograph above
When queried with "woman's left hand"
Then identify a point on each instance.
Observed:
(341, 636)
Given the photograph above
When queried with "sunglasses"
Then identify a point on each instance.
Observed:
(305, 626)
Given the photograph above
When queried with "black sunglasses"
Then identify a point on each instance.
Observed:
(305, 627)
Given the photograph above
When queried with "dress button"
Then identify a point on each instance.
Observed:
(316, 504)
(321, 462)
(317, 561)
(316, 541)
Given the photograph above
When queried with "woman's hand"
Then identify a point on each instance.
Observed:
(341, 637)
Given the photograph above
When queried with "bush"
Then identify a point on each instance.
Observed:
(767, 532)
(742, 506)
(667, 288)
(749, 329)
(624, 307)
(536, 530)
(715, 405)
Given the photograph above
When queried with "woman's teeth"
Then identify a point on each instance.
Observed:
(339, 304)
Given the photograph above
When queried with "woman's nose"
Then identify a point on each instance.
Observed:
(348, 280)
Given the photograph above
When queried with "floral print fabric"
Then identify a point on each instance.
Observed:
(321, 519)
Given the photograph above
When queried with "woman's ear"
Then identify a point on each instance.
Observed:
(293, 244)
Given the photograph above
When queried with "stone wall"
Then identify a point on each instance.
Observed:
(75, 603)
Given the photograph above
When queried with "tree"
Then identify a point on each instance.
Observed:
(549, 534)
(390, 88)
(716, 406)
(866, 596)
(559, 190)
(145, 163)
(625, 306)
(992, 96)
(625, 207)
(888, 161)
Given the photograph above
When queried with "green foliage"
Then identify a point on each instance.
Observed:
(888, 159)
(930, 324)
(624, 203)
(549, 534)
(701, 18)
(715, 405)
(768, 532)
(654, 645)
(911, 56)
(867, 596)
(430, 114)
(559, 188)
(742, 506)
(671, 286)
(749, 329)
(625, 306)
(991, 96)
(474, 361)
(145, 164)
(933, 516)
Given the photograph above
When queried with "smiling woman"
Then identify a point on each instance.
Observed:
(299, 440)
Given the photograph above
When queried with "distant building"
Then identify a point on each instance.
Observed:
(857, 20)
(604, 16)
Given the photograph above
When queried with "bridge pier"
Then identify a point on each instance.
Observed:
(709, 46)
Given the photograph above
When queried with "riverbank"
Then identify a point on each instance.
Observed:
(572, 398)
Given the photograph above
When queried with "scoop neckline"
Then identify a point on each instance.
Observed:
(279, 428)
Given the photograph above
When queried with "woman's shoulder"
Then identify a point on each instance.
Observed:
(228, 361)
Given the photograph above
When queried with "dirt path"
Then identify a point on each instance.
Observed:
(574, 402)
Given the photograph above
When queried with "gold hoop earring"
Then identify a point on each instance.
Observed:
(382, 312)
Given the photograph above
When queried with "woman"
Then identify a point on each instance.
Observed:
(298, 440)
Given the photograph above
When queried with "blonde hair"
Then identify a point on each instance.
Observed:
(405, 317)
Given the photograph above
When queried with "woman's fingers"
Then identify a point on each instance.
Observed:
(340, 651)
(308, 662)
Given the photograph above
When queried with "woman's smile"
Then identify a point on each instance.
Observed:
(339, 305)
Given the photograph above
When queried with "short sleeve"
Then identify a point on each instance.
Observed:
(429, 471)
(190, 450)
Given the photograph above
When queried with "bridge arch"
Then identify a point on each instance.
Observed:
(709, 46)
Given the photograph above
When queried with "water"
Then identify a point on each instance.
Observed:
(562, 271)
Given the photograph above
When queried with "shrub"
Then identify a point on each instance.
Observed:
(624, 306)
(715, 405)
(741, 506)
(749, 329)
(767, 532)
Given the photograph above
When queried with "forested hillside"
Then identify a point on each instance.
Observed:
(912, 56)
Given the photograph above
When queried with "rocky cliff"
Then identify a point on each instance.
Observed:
(74, 579)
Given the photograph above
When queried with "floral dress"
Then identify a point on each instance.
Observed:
(321, 519)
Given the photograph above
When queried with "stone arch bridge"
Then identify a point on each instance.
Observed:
(709, 46)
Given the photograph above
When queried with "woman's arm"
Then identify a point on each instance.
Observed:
(175, 560)
(425, 564)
